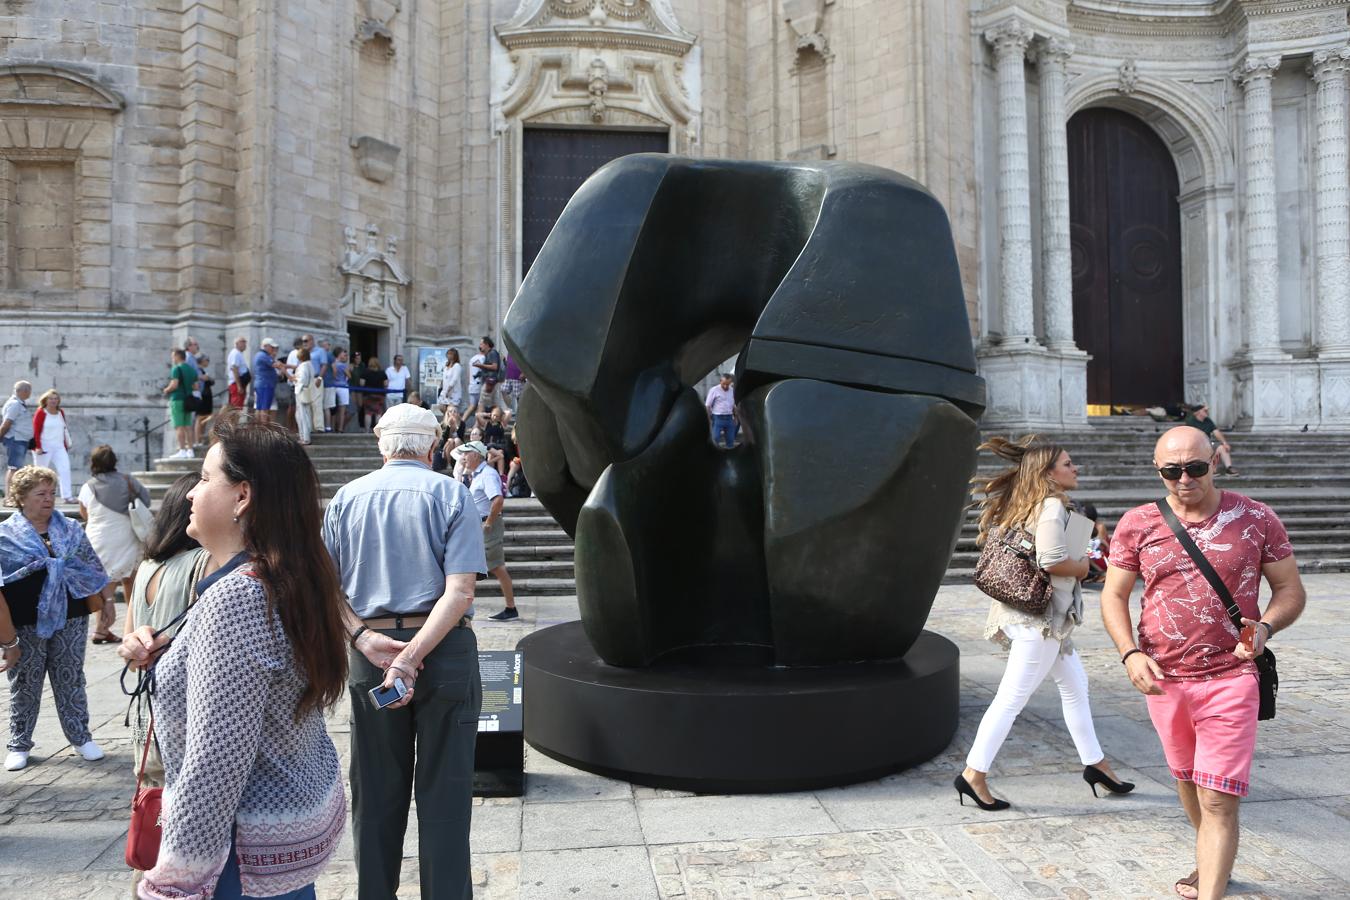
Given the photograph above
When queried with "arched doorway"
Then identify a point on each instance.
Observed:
(1126, 239)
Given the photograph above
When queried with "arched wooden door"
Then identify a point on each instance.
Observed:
(1126, 237)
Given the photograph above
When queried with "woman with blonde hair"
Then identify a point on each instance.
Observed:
(51, 440)
(1032, 494)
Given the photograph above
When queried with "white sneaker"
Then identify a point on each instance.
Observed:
(90, 751)
(17, 759)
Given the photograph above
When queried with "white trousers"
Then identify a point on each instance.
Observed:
(59, 460)
(1031, 658)
(304, 419)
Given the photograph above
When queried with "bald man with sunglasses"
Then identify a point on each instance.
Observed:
(1199, 679)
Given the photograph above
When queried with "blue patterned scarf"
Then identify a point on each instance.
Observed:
(72, 568)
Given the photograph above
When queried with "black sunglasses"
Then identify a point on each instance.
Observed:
(1195, 469)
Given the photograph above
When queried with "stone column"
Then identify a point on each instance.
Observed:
(1261, 313)
(1010, 41)
(1331, 187)
(1056, 257)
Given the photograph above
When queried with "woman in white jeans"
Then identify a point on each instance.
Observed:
(1033, 494)
(51, 449)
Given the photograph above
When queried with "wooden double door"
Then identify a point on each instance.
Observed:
(1126, 240)
(555, 163)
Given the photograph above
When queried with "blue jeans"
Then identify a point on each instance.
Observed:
(228, 887)
(724, 425)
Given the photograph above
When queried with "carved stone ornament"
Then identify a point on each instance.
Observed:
(1129, 76)
(620, 24)
(375, 158)
(598, 85)
(373, 283)
(375, 18)
(806, 17)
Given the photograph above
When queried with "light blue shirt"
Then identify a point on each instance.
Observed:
(320, 358)
(396, 534)
(485, 487)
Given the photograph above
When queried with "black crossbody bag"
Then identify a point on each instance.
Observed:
(1265, 663)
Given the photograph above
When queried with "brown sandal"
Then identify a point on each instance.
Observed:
(104, 638)
(1190, 881)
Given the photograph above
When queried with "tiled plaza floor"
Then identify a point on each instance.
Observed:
(576, 835)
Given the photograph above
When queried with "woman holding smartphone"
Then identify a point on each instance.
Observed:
(253, 800)
(1033, 493)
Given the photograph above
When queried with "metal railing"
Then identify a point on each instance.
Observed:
(143, 433)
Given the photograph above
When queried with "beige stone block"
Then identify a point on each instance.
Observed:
(54, 260)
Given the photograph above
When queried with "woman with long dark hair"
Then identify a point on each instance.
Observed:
(1033, 494)
(253, 799)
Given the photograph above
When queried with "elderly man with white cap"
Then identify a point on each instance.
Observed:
(485, 486)
(408, 547)
(265, 377)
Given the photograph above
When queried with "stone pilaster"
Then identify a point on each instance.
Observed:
(1056, 256)
(1331, 187)
(1261, 315)
(1010, 40)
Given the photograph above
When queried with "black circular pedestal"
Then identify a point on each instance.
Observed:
(737, 729)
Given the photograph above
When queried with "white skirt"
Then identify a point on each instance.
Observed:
(113, 540)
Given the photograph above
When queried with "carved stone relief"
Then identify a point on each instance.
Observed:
(373, 26)
(374, 283)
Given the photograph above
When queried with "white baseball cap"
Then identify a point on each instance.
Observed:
(270, 342)
(405, 418)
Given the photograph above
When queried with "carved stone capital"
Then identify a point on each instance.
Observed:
(1010, 37)
(1054, 52)
(1257, 70)
(1328, 64)
(374, 157)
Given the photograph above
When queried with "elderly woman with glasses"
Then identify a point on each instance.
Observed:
(51, 577)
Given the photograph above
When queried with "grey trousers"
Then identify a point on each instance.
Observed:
(59, 659)
(426, 746)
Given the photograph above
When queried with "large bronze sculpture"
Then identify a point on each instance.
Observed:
(777, 592)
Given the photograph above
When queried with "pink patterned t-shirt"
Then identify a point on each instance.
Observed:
(1184, 625)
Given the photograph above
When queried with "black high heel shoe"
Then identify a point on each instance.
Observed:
(1095, 776)
(964, 790)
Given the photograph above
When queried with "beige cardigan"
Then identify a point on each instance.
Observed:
(1065, 611)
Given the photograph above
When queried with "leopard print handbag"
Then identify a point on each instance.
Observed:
(1007, 571)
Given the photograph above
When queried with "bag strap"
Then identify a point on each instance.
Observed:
(1201, 563)
(145, 754)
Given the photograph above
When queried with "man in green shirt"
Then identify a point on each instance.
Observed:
(182, 381)
(1198, 417)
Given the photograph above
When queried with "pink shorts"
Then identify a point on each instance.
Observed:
(1208, 730)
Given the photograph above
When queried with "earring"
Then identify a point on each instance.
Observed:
(236, 520)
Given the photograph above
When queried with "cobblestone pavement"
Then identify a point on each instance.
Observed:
(576, 835)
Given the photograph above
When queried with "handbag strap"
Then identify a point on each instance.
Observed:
(1201, 562)
(145, 754)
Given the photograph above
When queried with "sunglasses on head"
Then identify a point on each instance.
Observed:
(1173, 472)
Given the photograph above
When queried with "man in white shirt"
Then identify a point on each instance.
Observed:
(485, 486)
(398, 375)
(475, 380)
(237, 373)
(16, 429)
(721, 406)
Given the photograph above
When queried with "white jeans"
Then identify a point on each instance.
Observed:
(1031, 658)
(304, 420)
(59, 460)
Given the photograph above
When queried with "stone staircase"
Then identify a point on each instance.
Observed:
(1301, 476)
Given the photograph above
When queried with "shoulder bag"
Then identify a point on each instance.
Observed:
(142, 519)
(147, 824)
(146, 827)
(1007, 571)
(1265, 663)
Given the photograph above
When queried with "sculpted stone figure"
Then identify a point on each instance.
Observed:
(823, 537)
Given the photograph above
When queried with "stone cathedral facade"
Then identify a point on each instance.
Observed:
(1150, 199)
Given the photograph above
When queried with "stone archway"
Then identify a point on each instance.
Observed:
(615, 65)
(1197, 143)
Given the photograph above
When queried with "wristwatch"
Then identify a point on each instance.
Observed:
(1270, 629)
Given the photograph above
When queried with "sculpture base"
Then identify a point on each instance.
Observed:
(737, 729)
